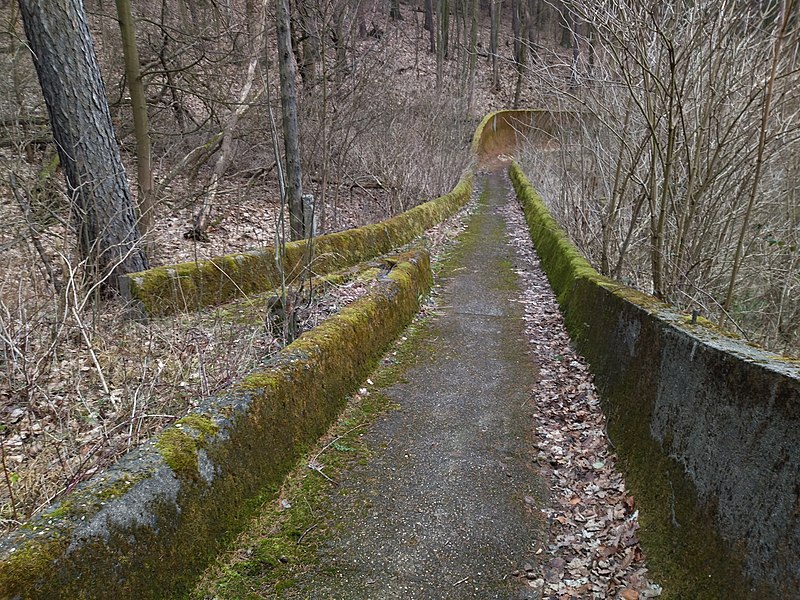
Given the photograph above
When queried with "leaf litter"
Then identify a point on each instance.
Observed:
(594, 549)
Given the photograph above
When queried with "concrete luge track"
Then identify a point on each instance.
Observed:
(692, 411)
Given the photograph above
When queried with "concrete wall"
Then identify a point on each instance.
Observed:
(725, 413)
(194, 285)
(148, 526)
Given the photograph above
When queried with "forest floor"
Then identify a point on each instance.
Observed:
(486, 472)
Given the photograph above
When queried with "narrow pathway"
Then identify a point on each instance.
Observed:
(449, 507)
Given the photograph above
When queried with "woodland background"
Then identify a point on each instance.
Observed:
(680, 179)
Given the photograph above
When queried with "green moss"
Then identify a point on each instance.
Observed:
(190, 286)
(179, 450)
(202, 423)
(25, 566)
(117, 489)
(179, 445)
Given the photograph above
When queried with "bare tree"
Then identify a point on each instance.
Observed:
(141, 126)
(679, 177)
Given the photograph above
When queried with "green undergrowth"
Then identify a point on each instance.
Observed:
(280, 544)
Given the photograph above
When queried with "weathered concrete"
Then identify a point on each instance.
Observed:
(727, 414)
(440, 510)
(147, 527)
(193, 285)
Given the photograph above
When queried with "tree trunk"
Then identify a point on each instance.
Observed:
(394, 10)
(429, 25)
(473, 50)
(564, 23)
(75, 96)
(534, 20)
(444, 27)
(291, 131)
(496, 11)
(519, 25)
(141, 127)
(576, 53)
(309, 45)
(439, 46)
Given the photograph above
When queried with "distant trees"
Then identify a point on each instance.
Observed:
(102, 211)
(682, 176)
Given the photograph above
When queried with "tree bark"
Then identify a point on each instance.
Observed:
(519, 25)
(141, 127)
(444, 28)
(73, 89)
(291, 131)
(429, 25)
(473, 50)
(308, 26)
(494, 35)
(565, 25)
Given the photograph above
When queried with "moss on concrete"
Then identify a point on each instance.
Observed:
(685, 552)
(179, 445)
(191, 286)
(152, 544)
(36, 556)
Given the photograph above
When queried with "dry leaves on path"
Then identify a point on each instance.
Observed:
(594, 550)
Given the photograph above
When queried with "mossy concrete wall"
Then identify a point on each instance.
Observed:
(726, 414)
(193, 285)
(148, 526)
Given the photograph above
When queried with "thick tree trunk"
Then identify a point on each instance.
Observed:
(291, 131)
(75, 95)
(141, 127)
